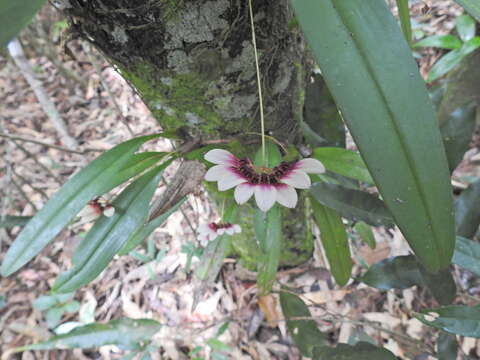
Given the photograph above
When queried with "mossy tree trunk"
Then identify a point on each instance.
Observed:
(192, 63)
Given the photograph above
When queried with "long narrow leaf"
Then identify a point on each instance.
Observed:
(374, 79)
(109, 234)
(100, 176)
(404, 15)
(335, 242)
(10, 221)
(471, 6)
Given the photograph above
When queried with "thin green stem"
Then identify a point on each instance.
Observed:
(259, 83)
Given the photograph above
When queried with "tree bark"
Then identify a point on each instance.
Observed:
(192, 62)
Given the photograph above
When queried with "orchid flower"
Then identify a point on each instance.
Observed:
(209, 232)
(269, 185)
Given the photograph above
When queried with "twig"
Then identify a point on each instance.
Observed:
(26, 182)
(18, 56)
(61, 148)
(19, 188)
(34, 158)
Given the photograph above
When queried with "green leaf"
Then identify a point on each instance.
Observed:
(352, 204)
(335, 242)
(323, 125)
(453, 58)
(400, 272)
(14, 16)
(447, 346)
(440, 284)
(124, 331)
(9, 221)
(471, 6)
(359, 351)
(100, 176)
(273, 157)
(465, 25)
(268, 231)
(366, 233)
(455, 319)
(304, 332)
(53, 317)
(467, 255)
(374, 80)
(440, 41)
(467, 214)
(218, 345)
(404, 15)
(144, 231)
(109, 234)
(344, 162)
(45, 302)
(457, 131)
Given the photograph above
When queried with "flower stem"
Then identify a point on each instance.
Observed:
(262, 122)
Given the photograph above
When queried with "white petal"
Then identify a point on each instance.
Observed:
(216, 172)
(230, 230)
(243, 192)
(296, 178)
(109, 211)
(220, 156)
(237, 228)
(309, 165)
(265, 196)
(287, 196)
(229, 180)
(221, 231)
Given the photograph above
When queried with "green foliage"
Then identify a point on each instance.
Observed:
(447, 346)
(471, 6)
(366, 233)
(55, 306)
(404, 15)
(109, 234)
(304, 332)
(352, 204)
(14, 16)
(467, 216)
(335, 241)
(382, 107)
(9, 221)
(360, 351)
(124, 332)
(461, 47)
(454, 319)
(467, 255)
(99, 177)
(344, 162)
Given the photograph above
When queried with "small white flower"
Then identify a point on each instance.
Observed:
(268, 185)
(209, 232)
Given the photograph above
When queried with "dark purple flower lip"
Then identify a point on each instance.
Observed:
(263, 175)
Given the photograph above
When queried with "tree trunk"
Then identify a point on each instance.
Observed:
(192, 63)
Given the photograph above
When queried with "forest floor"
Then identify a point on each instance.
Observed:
(101, 110)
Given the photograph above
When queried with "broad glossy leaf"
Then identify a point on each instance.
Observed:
(374, 80)
(100, 176)
(471, 6)
(447, 346)
(440, 284)
(453, 58)
(268, 231)
(457, 131)
(10, 221)
(455, 319)
(352, 204)
(359, 351)
(467, 214)
(144, 231)
(109, 234)
(14, 16)
(465, 25)
(400, 272)
(404, 15)
(124, 331)
(344, 162)
(304, 333)
(323, 125)
(440, 41)
(366, 233)
(335, 242)
(467, 255)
